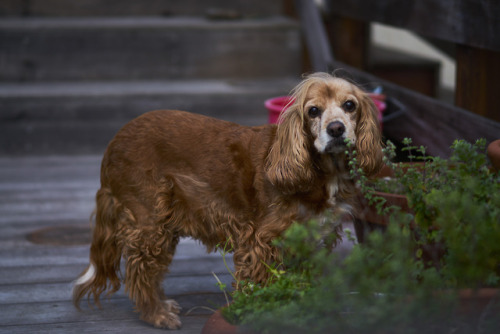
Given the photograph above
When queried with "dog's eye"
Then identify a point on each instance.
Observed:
(349, 106)
(314, 112)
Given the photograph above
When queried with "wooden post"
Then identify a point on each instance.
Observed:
(350, 40)
(320, 53)
(478, 81)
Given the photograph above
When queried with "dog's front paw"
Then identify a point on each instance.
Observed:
(164, 319)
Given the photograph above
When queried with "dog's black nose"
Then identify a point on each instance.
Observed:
(335, 129)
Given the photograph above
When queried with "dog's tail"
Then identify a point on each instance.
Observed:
(105, 252)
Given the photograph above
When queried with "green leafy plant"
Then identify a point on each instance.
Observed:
(304, 258)
(386, 285)
(318, 292)
(455, 203)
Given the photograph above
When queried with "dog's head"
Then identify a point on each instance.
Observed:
(326, 111)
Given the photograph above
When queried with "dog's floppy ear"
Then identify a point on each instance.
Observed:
(368, 137)
(289, 166)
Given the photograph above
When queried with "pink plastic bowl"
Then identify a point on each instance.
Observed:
(277, 105)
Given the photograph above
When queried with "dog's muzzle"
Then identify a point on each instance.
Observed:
(336, 131)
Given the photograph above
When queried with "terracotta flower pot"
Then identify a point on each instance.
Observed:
(367, 219)
(474, 302)
(366, 215)
(216, 324)
(493, 152)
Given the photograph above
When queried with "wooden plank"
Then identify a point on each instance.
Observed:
(59, 209)
(471, 22)
(132, 325)
(43, 255)
(34, 189)
(477, 81)
(27, 317)
(52, 292)
(40, 274)
(44, 169)
(17, 230)
(190, 325)
(113, 8)
(32, 255)
(25, 274)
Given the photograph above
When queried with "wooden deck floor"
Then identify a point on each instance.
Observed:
(45, 203)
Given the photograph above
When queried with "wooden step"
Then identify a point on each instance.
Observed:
(137, 48)
(135, 7)
(82, 117)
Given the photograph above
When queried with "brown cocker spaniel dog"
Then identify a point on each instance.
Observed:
(172, 174)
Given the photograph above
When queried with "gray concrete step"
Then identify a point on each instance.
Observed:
(135, 48)
(135, 7)
(81, 117)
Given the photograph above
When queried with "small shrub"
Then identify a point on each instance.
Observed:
(385, 285)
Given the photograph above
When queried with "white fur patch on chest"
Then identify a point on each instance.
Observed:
(333, 189)
(337, 205)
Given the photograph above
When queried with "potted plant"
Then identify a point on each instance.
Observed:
(403, 185)
(387, 190)
(385, 284)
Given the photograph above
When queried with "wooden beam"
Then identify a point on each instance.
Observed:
(350, 40)
(477, 81)
(318, 46)
(471, 22)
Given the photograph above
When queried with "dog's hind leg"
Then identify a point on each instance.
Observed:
(149, 251)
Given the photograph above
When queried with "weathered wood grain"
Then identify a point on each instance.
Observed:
(40, 193)
(14, 293)
(131, 325)
(471, 22)
(47, 273)
(477, 81)
(111, 317)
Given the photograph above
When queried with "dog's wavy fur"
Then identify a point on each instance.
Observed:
(172, 174)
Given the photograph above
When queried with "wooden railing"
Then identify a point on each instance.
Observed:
(473, 25)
